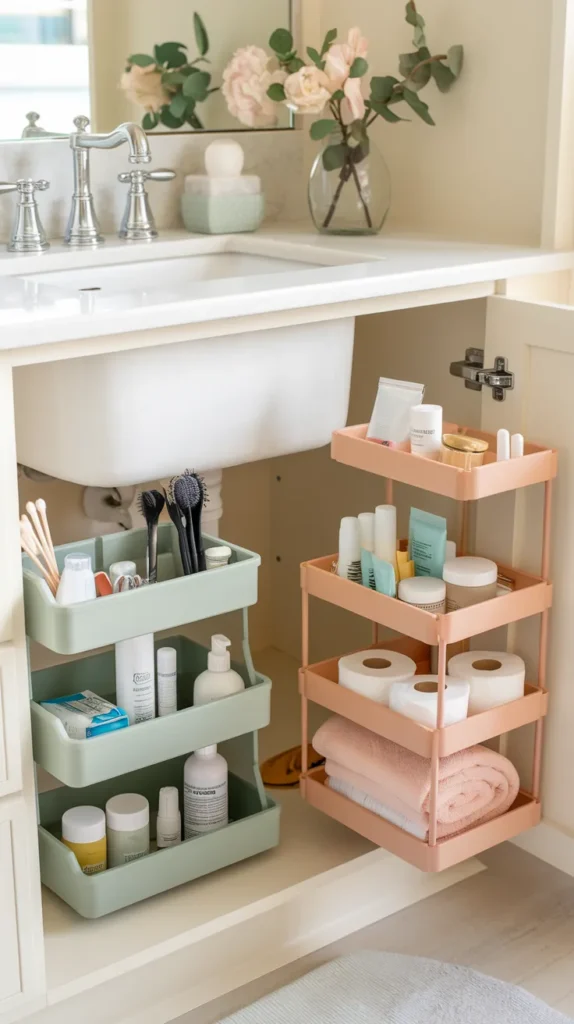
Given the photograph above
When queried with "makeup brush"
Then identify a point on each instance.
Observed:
(177, 520)
(188, 496)
(46, 548)
(151, 505)
(30, 547)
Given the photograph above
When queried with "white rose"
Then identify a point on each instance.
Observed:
(307, 90)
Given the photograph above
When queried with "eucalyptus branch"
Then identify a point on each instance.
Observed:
(417, 67)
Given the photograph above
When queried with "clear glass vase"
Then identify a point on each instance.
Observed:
(349, 187)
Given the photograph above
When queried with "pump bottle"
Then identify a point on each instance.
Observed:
(219, 679)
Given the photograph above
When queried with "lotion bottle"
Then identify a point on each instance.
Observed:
(219, 679)
(205, 800)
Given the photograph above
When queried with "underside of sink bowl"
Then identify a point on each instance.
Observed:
(139, 415)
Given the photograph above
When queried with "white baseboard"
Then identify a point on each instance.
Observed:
(305, 918)
(550, 843)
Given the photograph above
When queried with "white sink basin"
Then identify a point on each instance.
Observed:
(206, 403)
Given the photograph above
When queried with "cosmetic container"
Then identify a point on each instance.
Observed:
(350, 550)
(462, 451)
(469, 580)
(135, 678)
(168, 826)
(219, 679)
(427, 542)
(117, 569)
(223, 200)
(502, 445)
(84, 832)
(86, 714)
(450, 550)
(390, 421)
(215, 558)
(205, 799)
(424, 592)
(127, 819)
(367, 542)
(77, 581)
(166, 681)
(516, 446)
(426, 430)
(386, 533)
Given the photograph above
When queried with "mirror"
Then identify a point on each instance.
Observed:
(60, 58)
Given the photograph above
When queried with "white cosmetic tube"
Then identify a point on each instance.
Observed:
(386, 533)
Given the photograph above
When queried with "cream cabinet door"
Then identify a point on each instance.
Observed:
(22, 984)
(10, 709)
(538, 341)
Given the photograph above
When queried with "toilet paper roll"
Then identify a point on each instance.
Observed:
(495, 677)
(372, 673)
(418, 699)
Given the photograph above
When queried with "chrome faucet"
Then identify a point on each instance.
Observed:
(28, 234)
(83, 227)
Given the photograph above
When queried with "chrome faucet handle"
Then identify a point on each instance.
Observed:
(28, 234)
(138, 222)
(81, 122)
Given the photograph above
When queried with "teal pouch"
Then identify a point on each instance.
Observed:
(427, 543)
(385, 581)
(367, 571)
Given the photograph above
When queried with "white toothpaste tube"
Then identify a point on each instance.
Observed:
(86, 714)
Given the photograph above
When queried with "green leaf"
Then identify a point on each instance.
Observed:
(295, 64)
(419, 38)
(172, 54)
(358, 153)
(315, 56)
(408, 61)
(169, 120)
(334, 156)
(276, 92)
(416, 104)
(382, 87)
(201, 37)
(328, 40)
(442, 75)
(338, 95)
(193, 120)
(411, 13)
(359, 67)
(281, 41)
(142, 60)
(358, 131)
(195, 87)
(454, 59)
(150, 121)
(178, 105)
(320, 129)
(383, 110)
(172, 78)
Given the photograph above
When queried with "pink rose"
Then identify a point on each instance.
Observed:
(307, 90)
(246, 80)
(144, 87)
(338, 62)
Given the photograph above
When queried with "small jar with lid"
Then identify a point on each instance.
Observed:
(462, 451)
(84, 833)
(424, 592)
(469, 580)
(127, 818)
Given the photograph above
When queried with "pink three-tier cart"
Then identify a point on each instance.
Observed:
(528, 595)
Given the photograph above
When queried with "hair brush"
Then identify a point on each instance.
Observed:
(177, 520)
(188, 495)
(151, 505)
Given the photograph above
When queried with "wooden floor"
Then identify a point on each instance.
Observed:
(514, 921)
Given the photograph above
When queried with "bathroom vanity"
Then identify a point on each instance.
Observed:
(260, 330)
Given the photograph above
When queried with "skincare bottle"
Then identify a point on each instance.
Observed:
(166, 681)
(205, 800)
(84, 833)
(469, 580)
(216, 558)
(219, 679)
(77, 581)
(127, 819)
(426, 430)
(168, 827)
(349, 566)
(427, 543)
(135, 678)
(367, 542)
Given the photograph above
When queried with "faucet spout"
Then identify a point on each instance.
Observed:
(128, 132)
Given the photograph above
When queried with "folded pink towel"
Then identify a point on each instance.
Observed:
(475, 785)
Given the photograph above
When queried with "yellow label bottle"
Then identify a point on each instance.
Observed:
(84, 833)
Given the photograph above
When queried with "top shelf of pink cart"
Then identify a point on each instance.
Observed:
(537, 465)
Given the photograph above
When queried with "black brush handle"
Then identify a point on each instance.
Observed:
(196, 516)
(175, 516)
(152, 552)
(190, 537)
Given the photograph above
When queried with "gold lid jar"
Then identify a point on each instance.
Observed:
(463, 451)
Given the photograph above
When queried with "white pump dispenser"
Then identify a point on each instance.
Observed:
(219, 680)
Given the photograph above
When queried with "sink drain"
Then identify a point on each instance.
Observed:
(95, 288)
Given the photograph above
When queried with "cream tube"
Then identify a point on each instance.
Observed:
(386, 533)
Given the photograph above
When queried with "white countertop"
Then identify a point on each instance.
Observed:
(333, 270)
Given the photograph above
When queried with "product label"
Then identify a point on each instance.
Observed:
(143, 695)
(205, 808)
(166, 693)
(134, 856)
(422, 554)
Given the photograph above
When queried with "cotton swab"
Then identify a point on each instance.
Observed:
(43, 513)
(27, 533)
(42, 539)
(31, 551)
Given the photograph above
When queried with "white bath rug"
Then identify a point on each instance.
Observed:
(388, 988)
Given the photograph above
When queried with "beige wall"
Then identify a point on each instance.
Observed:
(121, 27)
(479, 173)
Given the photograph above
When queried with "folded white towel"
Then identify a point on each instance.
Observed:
(370, 804)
